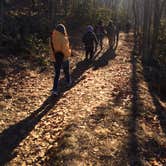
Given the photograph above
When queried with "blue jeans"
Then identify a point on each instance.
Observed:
(65, 66)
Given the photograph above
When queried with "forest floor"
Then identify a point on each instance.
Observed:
(109, 117)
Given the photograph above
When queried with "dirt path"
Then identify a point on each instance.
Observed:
(109, 117)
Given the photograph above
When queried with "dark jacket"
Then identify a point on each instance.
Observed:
(111, 29)
(89, 39)
(100, 30)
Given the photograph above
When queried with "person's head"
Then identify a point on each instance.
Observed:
(61, 28)
(110, 23)
(100, 22)
(90, 28)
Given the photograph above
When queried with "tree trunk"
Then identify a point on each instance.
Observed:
(135, 18)
(1, 19)
(52, 13)
(146, 30)
(156, 24)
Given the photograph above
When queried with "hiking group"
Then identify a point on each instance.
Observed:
(61, 51)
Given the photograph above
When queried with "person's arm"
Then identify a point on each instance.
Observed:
(66, 47)
(95, 38)
(104, 30)
(108, 29)
(96, 41)
(52, 51)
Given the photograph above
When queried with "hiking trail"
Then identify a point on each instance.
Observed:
(108, 117)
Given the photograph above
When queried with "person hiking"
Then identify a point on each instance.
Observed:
(117, 31)
(100, 32)
(90, 41)
(60, 53)
(111, 34)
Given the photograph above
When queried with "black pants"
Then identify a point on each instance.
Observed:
(100, 38)
(58, 65)
(89, 51)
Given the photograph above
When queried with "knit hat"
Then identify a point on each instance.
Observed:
(61, 28)
(90, 28)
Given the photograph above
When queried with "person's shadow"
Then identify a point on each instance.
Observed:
(104, 59)
(11, 137)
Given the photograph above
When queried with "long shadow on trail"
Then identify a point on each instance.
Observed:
(11, 137)
(76, 75)
(153, 148)
(133, 140)
(160, 110)
(104, 59)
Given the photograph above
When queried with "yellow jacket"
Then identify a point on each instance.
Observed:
(60, 44)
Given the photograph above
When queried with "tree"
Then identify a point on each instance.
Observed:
(158, 10)
(1, 19)
(146, 30)
(149, 24)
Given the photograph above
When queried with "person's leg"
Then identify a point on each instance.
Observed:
(91, 52)
(66, 69)
(117, 39)
(56, 77)
(109, 41)
(114, 39)
(86, 54)
(96, 45)
(101, 42)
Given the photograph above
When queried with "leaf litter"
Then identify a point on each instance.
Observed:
(91, 124)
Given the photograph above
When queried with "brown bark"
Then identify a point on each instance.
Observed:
(146, 30)
(52, 12)
(1, 18)
(135, 18)
(156, 23)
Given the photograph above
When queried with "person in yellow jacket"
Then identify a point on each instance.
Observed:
(60, 53)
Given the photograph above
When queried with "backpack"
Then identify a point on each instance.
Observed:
(59, 56)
